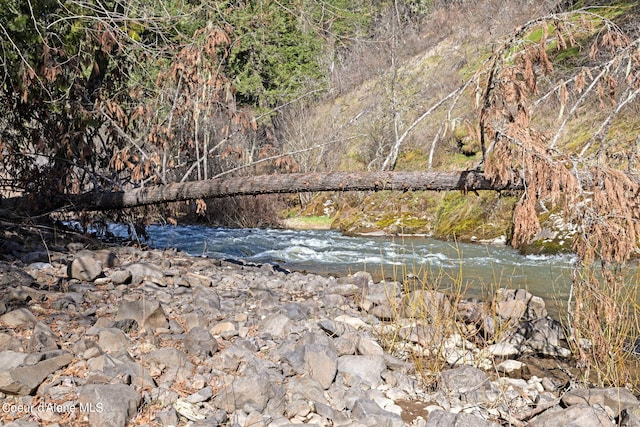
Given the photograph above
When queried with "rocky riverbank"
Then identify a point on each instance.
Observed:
(124, 336)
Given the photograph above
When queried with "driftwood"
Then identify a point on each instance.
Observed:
(253, 185)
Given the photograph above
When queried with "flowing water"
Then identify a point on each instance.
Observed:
(479, 268)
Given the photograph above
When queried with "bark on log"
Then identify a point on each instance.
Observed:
(261, 184)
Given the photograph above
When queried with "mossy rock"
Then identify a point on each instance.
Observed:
(547, 247)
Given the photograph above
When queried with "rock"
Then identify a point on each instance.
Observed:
(120, 277)
(206, 299)
(19, 317)
(195, 280)
(121, 365)
(467, 383)
(189, 410)
(277, 325)
(105, 257)
(84, 268)
(426, 304)
(581, 415)
(42, 339)
(248, 392)
(148, 313)
(110, 405)
(617, 399)
(113, 340)
(201, 395)
(199, 342)
(368, 409)
(503, 349)
(8, 342)
(24, 380)
(144, 270)
(321, 363)
(367, 346)
(440, 418)
(512, 368)
(366, 368)
(511, 309)
(11, 359)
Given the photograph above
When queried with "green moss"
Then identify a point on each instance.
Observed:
(465, 217)
(386, 221)
(546, 247)
(413, 159)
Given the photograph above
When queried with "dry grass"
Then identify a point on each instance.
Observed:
(605, 320)
(434, 326)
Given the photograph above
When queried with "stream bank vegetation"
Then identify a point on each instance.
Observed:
(121, 95)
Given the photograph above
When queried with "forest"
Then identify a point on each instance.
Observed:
(104, 96)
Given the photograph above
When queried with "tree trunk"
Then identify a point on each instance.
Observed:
(260, 184)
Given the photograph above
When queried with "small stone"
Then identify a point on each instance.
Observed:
(120, 277)
(195, 280)
(513, 368)
(367, 346)
(200, 342)
(201, 396)
(109, 404)
(367, 368)
(112, 340)
(168, 417)
(144, 270)
(84, 268)
(503, 349)
(146, 312)
(189, 410)
(222, 328)
(42, 339)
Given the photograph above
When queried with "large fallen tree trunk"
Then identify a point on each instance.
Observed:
(260, 184)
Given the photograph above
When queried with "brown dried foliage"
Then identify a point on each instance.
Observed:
(601, 200)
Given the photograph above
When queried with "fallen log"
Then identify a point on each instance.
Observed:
(259, 184)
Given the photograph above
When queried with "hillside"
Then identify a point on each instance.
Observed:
(356, 130)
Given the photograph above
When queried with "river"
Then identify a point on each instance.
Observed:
(479, 268)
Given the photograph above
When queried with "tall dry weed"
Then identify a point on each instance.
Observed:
(604, 319)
